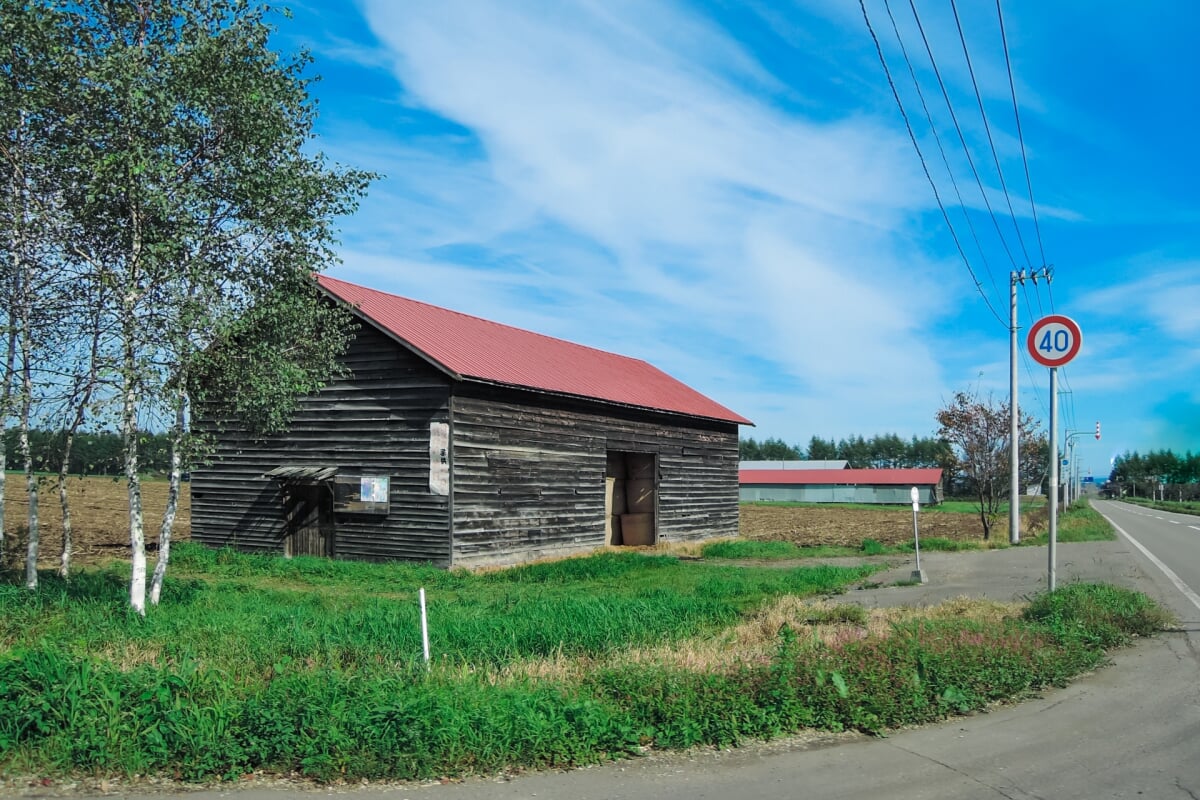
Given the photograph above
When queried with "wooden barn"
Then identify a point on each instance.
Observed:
(464, 442)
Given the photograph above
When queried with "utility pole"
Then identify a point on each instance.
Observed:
(1014, 445)
(1014, 412)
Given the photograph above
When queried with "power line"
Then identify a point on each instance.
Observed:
(988, 130)
(924, 166)
(1037, 229)
(961, 137)
(938, 139)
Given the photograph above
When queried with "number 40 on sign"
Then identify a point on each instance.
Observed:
(1054, 340)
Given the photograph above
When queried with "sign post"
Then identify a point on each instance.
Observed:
(918, 575)
(1053, 341)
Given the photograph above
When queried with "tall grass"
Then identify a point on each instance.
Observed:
(243, 613)
(312, 667)
(1184, 507)
(1078, 523)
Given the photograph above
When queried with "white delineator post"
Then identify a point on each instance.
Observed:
(424, 627)
(918, 574)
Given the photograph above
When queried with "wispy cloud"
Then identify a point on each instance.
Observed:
(727, 190)
(645, 188)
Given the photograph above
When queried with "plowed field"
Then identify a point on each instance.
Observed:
(99, 518)
(847, 527)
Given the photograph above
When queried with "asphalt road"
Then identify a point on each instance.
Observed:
(1130, 730)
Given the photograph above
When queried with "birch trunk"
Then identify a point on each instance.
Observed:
(137, 537)
(5, 397)
(168, 522)
(12, 295)
(24, 334)
(64, 559)
(82, 400)
(31, 552)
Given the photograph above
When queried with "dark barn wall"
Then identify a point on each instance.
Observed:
(374, 421)
(529, 474)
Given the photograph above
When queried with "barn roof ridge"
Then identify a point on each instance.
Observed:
(468, 347)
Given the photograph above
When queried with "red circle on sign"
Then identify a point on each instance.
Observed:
(1048, 328)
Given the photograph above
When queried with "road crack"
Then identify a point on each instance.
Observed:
(998, 790)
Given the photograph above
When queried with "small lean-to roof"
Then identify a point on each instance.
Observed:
(302, 474)
(470, 348)
(839, 477)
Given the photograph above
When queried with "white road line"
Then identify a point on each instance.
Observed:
(1173, 521)
(1193, 527)
(1171, 576)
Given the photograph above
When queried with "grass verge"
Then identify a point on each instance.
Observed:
(756, 550)
(255, 664)
(1079, 523)
(1185, 507)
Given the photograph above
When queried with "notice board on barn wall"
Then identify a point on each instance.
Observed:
(439, 458)
(361, 494)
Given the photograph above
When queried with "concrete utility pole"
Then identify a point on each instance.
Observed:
(1014, 412)
(1014, 444)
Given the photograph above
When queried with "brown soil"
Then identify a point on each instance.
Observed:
(99, 518)
(847, 527)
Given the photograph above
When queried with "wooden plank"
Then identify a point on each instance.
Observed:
(375, 421)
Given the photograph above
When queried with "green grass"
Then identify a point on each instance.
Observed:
(753, 550)
(971, 507)
(243, 613)
(1079, 523)
(1186, 507)
(312, 666)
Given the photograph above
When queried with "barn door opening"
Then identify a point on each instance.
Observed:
(630, 498)
(308, 509)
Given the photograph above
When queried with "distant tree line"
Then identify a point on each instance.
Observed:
(97, 453)
(1140, 475)
(886, 451)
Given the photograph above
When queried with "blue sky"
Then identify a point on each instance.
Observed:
(728, 191)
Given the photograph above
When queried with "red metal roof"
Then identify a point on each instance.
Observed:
(840, 477)
(476, 349)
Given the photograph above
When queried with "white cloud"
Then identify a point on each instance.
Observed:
(1164, 298)
(644, 190)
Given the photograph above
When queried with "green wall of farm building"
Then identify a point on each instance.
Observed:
(882, 495)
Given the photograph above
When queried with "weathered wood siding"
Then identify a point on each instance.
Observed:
(529, 474)
(375, 421)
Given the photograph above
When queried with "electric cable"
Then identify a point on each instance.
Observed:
(988, 130)
(924, 166)
(961, 137)
(1037, 229)
(941, 149)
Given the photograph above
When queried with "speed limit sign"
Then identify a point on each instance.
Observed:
(1054, 340)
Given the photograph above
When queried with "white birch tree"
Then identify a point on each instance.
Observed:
(196, 200)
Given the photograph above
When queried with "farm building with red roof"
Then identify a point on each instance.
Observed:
(460, 441)
(881, 486)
